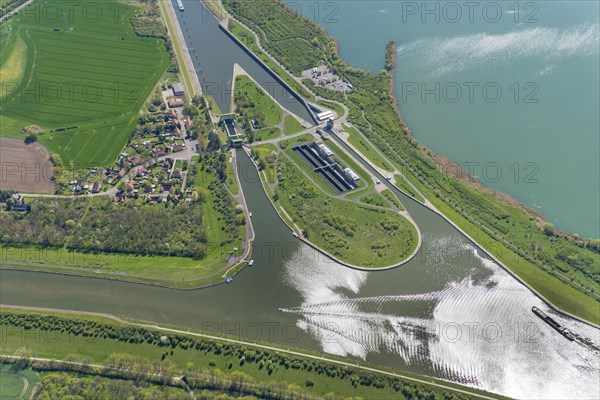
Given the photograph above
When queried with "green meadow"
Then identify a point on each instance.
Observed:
(365, 148)
(291, 125)
(84, 75)
(16, 383)
(252, 101)
(355, 233)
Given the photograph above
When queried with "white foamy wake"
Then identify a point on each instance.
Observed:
(462, 53)
(482, 334)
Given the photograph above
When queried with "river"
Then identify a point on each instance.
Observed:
(450, 312)
(509, 90)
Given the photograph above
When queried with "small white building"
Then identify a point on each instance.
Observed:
(326, 149)
(323, 116)
(352, 174)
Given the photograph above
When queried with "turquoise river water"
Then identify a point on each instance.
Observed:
(509, 90)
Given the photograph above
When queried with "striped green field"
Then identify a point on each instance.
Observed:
(84, 79)
(16, 383)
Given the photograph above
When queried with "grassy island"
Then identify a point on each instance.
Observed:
(357, 234)
(360, 227)
(390, 55)
(252, 101)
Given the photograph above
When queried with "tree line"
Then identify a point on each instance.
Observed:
(266, 360)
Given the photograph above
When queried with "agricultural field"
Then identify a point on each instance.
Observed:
(13, 57)
(16, 383)
(297, 45)
(253, 102)
(25, 167)
(81, 81)
(248, 39)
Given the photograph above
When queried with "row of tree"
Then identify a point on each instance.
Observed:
(267, 360)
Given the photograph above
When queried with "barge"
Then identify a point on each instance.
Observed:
(554, 324)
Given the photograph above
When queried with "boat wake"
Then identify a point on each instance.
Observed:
(478, 332)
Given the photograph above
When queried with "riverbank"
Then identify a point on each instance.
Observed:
(200, 349)
(504, 228)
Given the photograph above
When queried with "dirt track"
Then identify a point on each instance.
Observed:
(25, 167)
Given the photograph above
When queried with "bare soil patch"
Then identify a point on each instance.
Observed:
(25, 167)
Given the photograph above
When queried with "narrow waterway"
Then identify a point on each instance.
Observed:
(450, 312)
(214, 54)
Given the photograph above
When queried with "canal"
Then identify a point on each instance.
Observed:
(214, 54)
(450, 312)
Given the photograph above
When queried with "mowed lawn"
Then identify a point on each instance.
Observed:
(84, 81)
(291, 126)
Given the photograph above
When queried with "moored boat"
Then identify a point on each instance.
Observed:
(553, 323)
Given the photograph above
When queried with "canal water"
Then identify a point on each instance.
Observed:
(450, 312)
(214, 54)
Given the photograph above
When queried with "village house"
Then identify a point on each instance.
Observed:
(177, 148)
(176, 174)
(175, 103)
